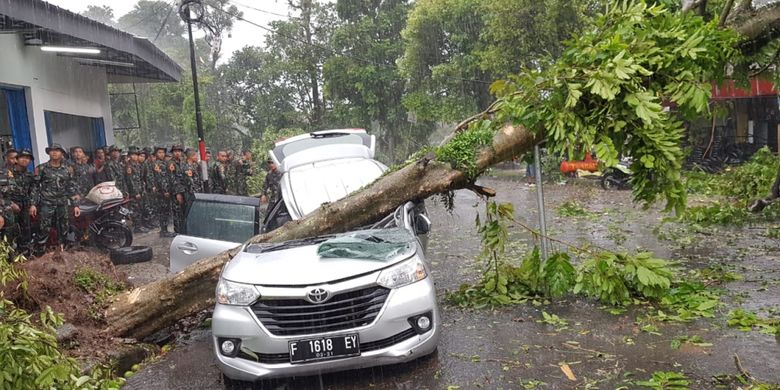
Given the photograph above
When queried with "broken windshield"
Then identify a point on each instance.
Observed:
(377, 244)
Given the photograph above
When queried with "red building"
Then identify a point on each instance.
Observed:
(753, 115)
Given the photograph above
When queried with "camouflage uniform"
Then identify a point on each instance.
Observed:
(53, 191)
(271, 188)
(192, 183)
(147, 201)
(84, 174)
(115, 172)
(9, 229)
(218, 178)
(19, 191)
(174, 176)
(241, 171)
(135, 189)
(161, 185)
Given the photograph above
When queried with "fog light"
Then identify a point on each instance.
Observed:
(423, 322)
(228, 347)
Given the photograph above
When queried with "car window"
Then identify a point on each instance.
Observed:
(282, 151)
(221, 221)
(327, 181)
(276, 217)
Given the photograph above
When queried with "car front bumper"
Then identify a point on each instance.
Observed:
(390, 338)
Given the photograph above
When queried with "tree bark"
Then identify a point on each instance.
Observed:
(757, 26)
(144, 310)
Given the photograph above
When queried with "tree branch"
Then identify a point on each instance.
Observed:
(480, 190)
(724, 15)
(757, 26)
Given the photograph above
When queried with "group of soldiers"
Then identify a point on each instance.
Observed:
(159, 183)
(48, 193)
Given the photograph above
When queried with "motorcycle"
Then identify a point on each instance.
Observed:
(617, 177)
(103, 221)
(105, 224)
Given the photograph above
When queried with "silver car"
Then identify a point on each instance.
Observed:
(330, 303)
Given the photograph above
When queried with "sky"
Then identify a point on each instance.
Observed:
(243, 33)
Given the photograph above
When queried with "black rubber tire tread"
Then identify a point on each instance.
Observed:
(116, 225)
(131, 254)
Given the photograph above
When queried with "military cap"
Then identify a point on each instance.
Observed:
(26, 152)
(147, 151)
(160, 147)
(132, 150)
(55, 147)
(114, 148)
(177, 147)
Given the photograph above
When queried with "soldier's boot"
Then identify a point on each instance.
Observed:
(164, 230)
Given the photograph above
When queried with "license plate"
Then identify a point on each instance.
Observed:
(324, 348)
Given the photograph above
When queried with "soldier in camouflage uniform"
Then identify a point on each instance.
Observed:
(145, 157)
(218, 177)
(175, 172)
(115, 170)
(53, 193)
(192, 180)
(271, 192)
(8, 208)
(99, 162)
(20, 188)
(161, 190)
(83, 171)
(135, 187)
(242, 169)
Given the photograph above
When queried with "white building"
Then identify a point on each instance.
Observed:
(55, 67)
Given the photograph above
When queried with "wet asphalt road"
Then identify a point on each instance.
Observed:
(507, 348)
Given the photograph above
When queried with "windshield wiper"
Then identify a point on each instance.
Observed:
(262, 248)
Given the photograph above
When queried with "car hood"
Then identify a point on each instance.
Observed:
(300, 266)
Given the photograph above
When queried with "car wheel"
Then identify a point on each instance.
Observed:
(131, 254)
(232, 384)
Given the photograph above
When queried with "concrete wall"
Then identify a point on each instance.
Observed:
(53, 83)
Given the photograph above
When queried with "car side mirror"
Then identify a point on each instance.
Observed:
(422, 225)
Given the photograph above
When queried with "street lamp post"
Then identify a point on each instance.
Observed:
(185, 11)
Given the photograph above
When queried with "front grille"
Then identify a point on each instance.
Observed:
(294, 317)
(279, 358)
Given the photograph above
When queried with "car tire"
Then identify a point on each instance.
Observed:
(131, 254)
(232, 384)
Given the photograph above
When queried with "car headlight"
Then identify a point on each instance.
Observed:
(408, 272)
(232, 293)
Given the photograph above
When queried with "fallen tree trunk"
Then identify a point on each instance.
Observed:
(149, 308)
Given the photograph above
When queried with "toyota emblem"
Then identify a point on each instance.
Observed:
(318, 295)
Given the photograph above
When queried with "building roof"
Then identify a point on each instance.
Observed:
(126, 57)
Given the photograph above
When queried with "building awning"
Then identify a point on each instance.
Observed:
(758, 87)
(126, 57)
